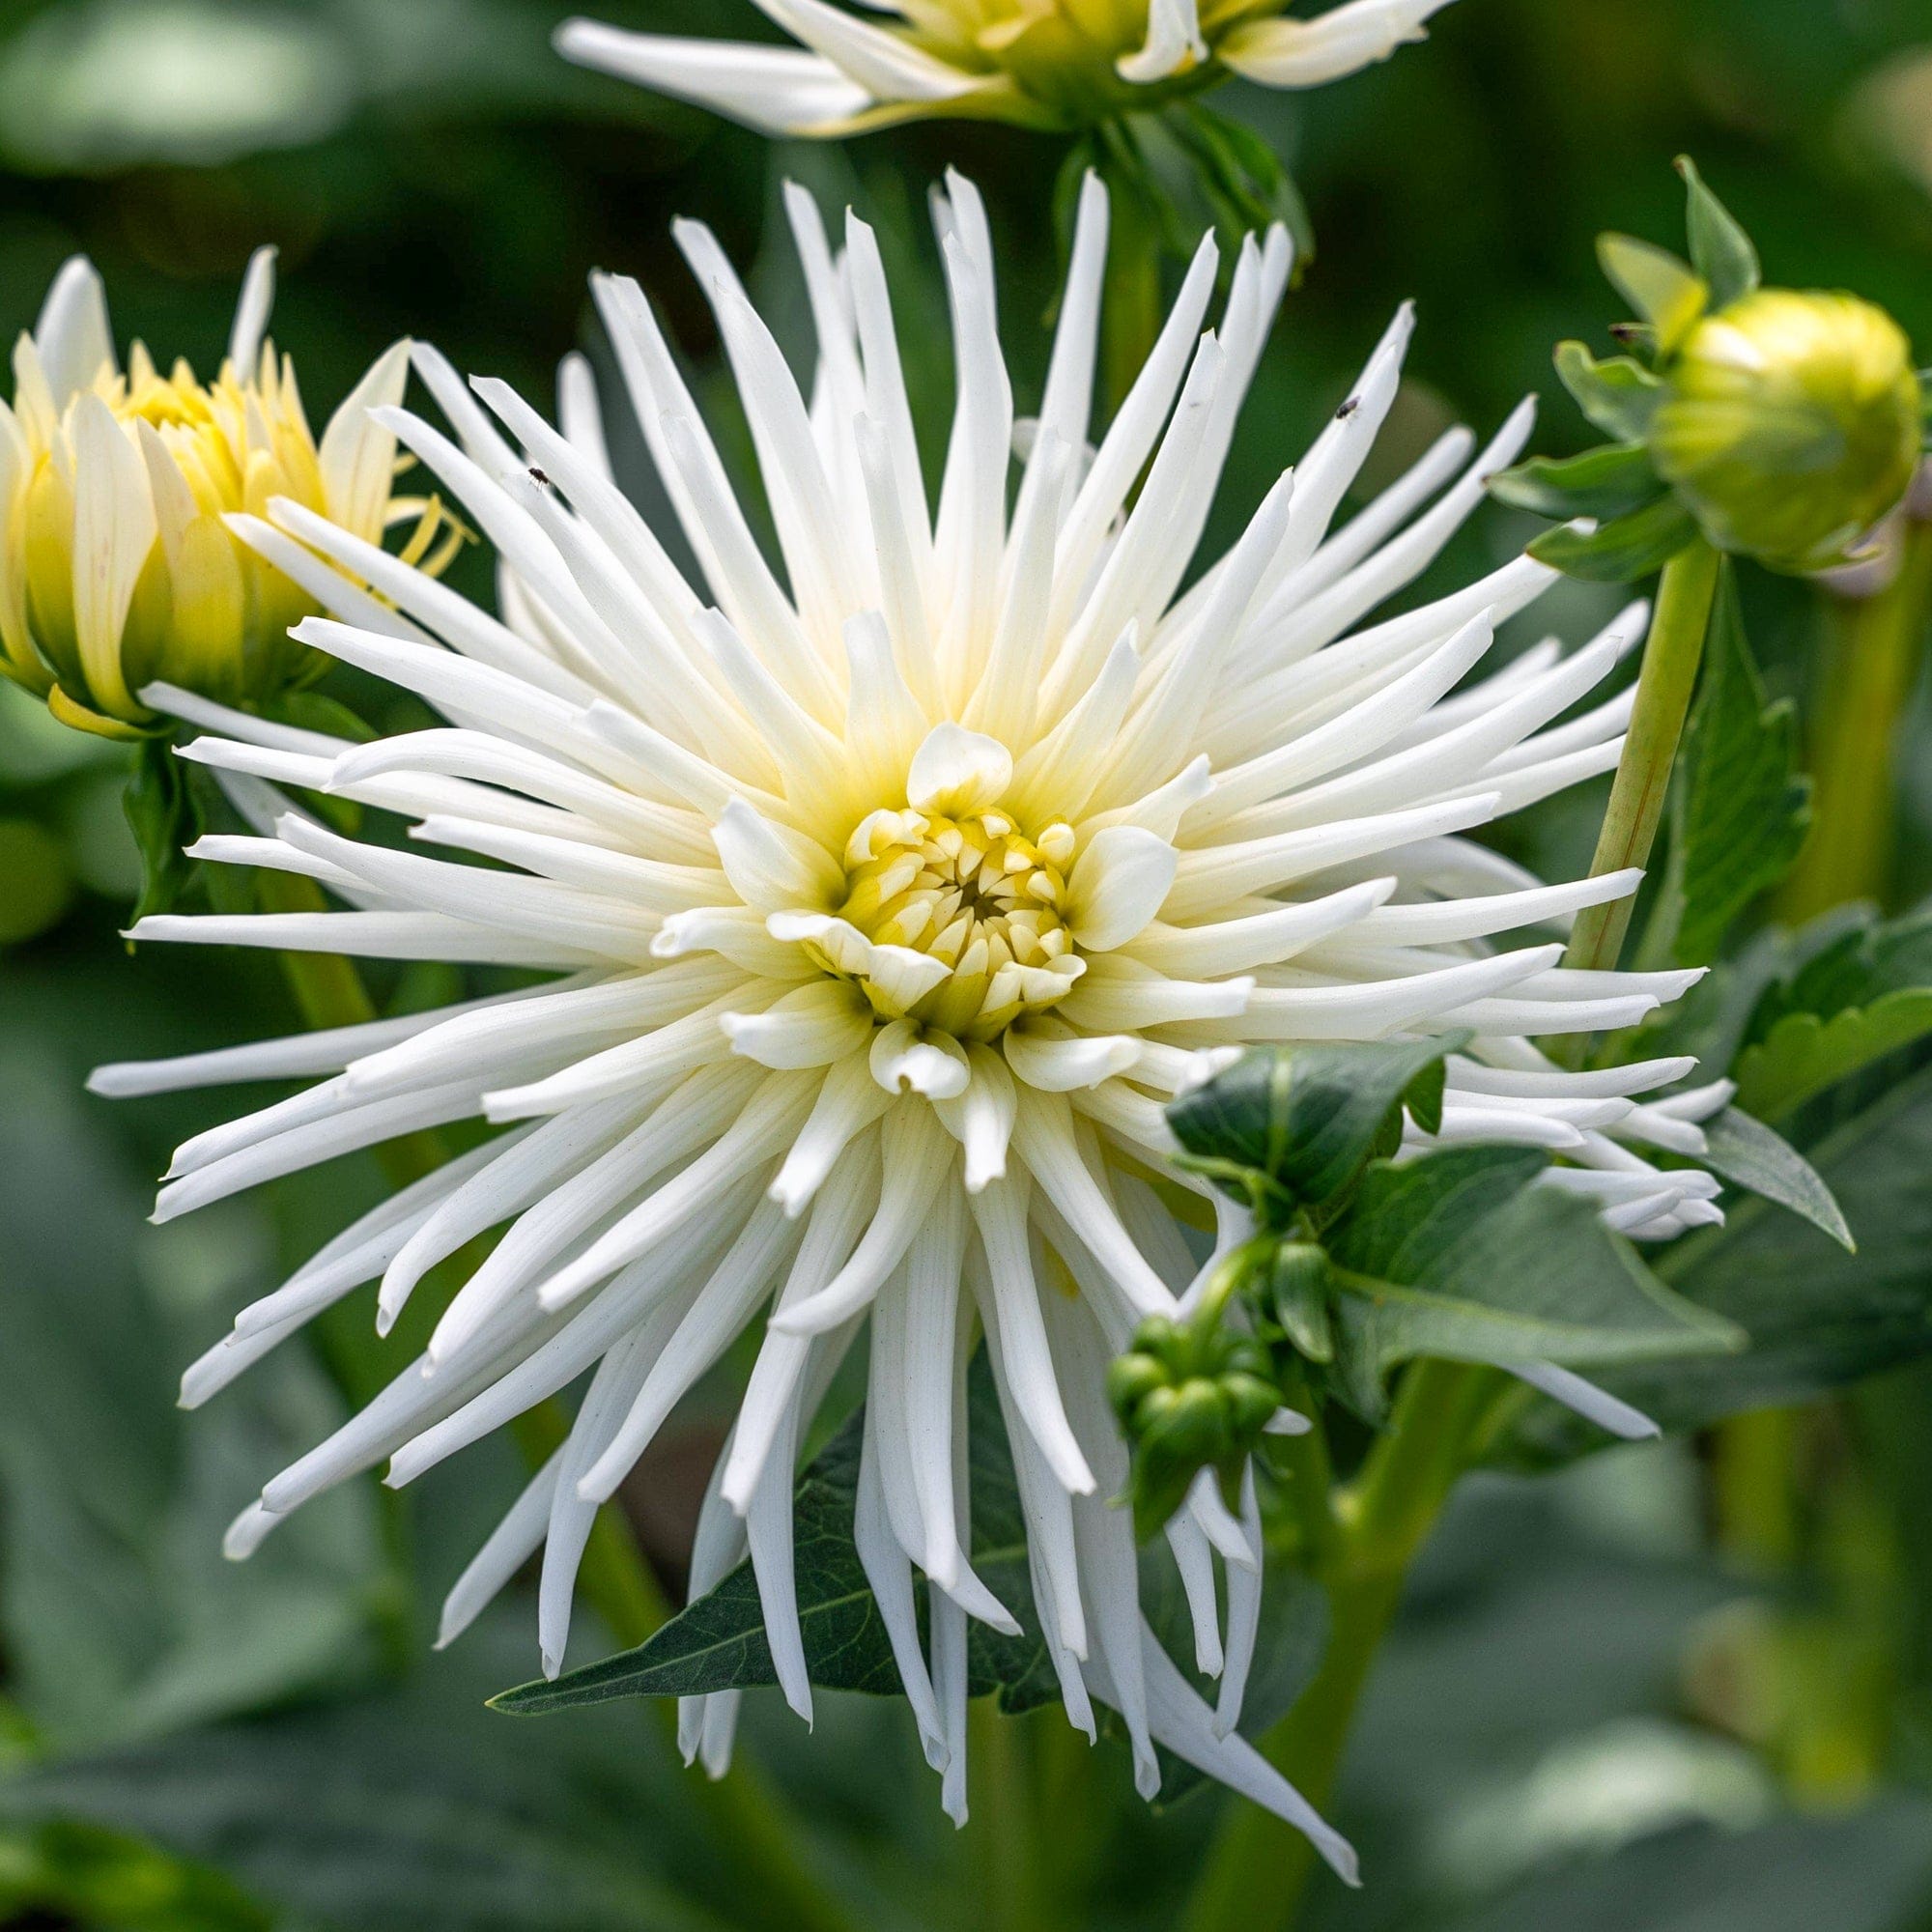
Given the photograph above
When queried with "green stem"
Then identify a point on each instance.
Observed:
(1000, 1847)
(751, 1822)
(1084, 1826)
(1307, 1475)
(1868, 661)
(1642, 785)
(1258, 1868)
(1130, 309)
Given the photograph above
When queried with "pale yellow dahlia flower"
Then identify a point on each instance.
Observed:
(1057, 64)
(116, 568)
(889, 909)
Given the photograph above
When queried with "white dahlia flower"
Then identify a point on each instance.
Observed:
(1054, 64)
(889, 909)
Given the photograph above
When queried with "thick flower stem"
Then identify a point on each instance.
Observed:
(750, 1820)
(1258, 1868)
(1869, 656)
(999, 1839)
(1670, 660)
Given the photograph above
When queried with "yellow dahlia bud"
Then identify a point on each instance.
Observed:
(1790, 425)
(117, 570)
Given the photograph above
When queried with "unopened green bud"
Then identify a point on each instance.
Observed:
(1131, 1380)
(1191, 1396)
(1790, 425)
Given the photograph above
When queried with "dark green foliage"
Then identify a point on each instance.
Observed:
(718, 1642)
(1740, 813)
(1751, 1154)
(1864, 994)
(1462, 1256)
(1285, 1128)
(1818, 1316)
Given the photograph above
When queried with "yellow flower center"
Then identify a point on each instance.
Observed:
(974, 894)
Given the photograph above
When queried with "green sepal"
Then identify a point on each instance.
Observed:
(1720, 251)
(165, 817)
(1295, 1297)
(1621, 551)
(1183, 1431)
(1602, 484)
(1666, 291)
(1620, 395)
(1190, 1395)
(1241, 177)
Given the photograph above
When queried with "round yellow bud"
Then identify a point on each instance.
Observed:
(1790, 425)
(118, 568)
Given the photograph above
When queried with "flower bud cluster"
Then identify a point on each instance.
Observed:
(1191, 1395)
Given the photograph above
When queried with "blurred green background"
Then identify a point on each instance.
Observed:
(1597, 1712)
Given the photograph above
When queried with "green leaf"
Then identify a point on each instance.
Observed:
(1866, 993)
(1805, 1053)
(1619, 396)
(1866, 1870)
(164, 819)
(718, 1642)
(416, 1813)
(1713, 1021)
(94, 1877)
(1622, 551)
(1818, 1317)
(1750, 1153)
(1295, 1124)
(1462, 1255)
(118, 1615)
(1602, 484)
(1422, 1098)
(1720, 250)
(1740, 811)
(1667, 293)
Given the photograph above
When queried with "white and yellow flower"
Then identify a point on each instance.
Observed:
(1058, 64)
(891, 908)
(116, 568)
